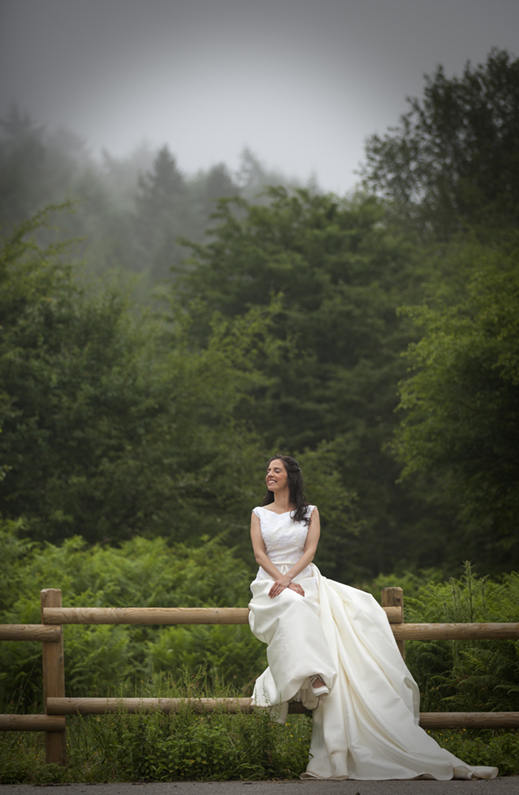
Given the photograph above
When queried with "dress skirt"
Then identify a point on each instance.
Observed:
(367, 728)
(296, 644)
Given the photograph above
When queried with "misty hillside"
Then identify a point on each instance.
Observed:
(125, 213)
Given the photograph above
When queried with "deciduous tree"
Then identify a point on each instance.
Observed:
(333, 362)
(462, 403)
(453, 160)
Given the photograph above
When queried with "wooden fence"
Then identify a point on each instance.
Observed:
(50, 632)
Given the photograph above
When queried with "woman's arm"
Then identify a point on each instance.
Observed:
(260, 553)
(312, 540)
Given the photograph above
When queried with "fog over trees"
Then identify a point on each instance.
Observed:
(127, 213)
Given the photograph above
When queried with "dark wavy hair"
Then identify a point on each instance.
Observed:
(295, 487)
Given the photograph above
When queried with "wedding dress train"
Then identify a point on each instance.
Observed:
(367, 727)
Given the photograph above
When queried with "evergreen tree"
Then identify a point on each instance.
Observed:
(163, 213)
(218, 184)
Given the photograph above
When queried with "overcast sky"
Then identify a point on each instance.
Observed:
(300, 82)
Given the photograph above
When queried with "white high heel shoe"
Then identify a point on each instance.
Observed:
(321, 692)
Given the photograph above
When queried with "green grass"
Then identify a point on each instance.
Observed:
(159, 747)
(216, 747)
(184, 745)
(491, 747)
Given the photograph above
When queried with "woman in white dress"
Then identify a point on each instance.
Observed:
(330, 646)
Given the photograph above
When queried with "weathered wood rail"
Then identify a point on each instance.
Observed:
(57, 706)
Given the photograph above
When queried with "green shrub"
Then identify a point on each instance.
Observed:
(462, 675)
(141, 573)
(185, 745)
(492, 748)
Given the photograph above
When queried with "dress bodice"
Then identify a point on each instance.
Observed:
(284, 538)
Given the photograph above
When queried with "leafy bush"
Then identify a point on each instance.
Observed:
(185, 745)
(472, 676)
(142, 573)
(486, 747)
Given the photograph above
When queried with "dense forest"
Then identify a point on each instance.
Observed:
(163, 334)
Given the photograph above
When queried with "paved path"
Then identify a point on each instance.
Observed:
(499, 786)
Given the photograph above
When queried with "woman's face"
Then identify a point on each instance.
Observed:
(276, 478)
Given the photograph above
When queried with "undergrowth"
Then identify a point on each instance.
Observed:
(466, 675)
(213, 746)
(185, 745)
(489, 747)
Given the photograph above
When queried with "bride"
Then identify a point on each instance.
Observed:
(330, 646)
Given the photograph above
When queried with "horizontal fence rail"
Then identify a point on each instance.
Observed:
(29, 632)
(146, 615)
(469, 720)
(33, 723)
(162, 615)
(103, 706)
(234, 615)
(456, 631)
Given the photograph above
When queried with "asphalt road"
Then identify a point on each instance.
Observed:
(499, 786)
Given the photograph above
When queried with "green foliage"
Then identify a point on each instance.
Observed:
(466, 676)
(453, 160)
(410, 581)
(489, 748)
(34, 172)
(185, 745)
(142, 573)
(216, 747)
(14, 550)
(462, 402)
(229, 651)
(334, 270)
(111, 424)
(333, 360)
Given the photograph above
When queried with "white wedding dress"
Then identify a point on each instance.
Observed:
(367, 728)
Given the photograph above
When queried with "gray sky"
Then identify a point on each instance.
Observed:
(301, 82)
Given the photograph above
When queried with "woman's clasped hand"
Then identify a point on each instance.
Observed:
(285, 582)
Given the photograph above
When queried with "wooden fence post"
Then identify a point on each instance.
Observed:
(53, 680)
(394, 597)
